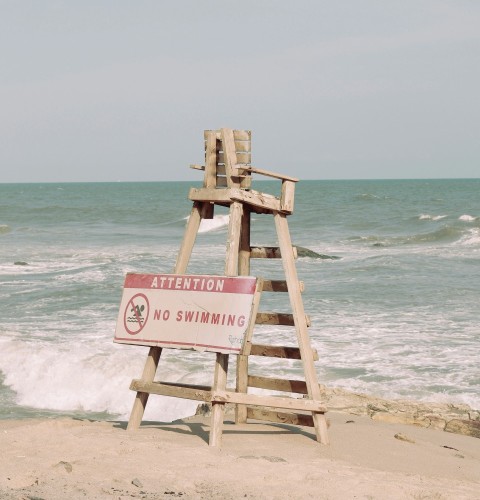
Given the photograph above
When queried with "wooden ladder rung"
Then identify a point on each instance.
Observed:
(279, 286)
(277, 351)
(274, 318)
(280, 417)
(268, 253)
(278, 384)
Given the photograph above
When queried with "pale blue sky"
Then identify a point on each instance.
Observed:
(122, 90)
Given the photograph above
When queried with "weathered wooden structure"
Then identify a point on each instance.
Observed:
(228, 182)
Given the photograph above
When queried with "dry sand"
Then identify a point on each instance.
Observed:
(70, 459)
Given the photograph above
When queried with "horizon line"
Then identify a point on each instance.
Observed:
(256, 180)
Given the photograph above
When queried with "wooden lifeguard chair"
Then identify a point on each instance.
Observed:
(228, 182)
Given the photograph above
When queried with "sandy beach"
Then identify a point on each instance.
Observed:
(68, 458)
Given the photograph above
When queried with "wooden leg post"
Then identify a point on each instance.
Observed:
(142, 397)
(218, 409)
(233, 239)
(243, 270)
(296, 302)
(221, 365)
(241, 386)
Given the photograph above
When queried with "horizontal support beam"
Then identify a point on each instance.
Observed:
(211, 194)
(274, 318)
(265, 202)
(188, 386)
(280, 417)
(278, 384)
(277, 351)
(271, 401)
(197, 393)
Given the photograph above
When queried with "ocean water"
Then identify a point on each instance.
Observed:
(395, 316)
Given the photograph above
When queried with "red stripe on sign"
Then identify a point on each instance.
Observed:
(192, 283)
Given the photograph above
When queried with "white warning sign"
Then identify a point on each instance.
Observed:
(206, 313)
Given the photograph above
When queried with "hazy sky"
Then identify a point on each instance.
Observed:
(122, 90)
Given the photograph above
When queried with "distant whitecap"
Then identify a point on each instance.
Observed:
(467, 218)
(431, 217)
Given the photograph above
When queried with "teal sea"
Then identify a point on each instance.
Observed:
(395, 316)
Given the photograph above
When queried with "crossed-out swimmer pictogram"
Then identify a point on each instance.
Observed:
(136, 314)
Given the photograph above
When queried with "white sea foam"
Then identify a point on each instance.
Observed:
(395, 317)
(471, 238)
(209, 225)
(84, 276)
(431, 217)
(362, 354)
(367, 353)
(467, 218)
(218, 222)
(89, 378)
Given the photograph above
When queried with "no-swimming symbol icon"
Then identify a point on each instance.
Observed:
(136, 314)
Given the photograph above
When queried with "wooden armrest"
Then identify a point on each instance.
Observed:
(268, 174)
